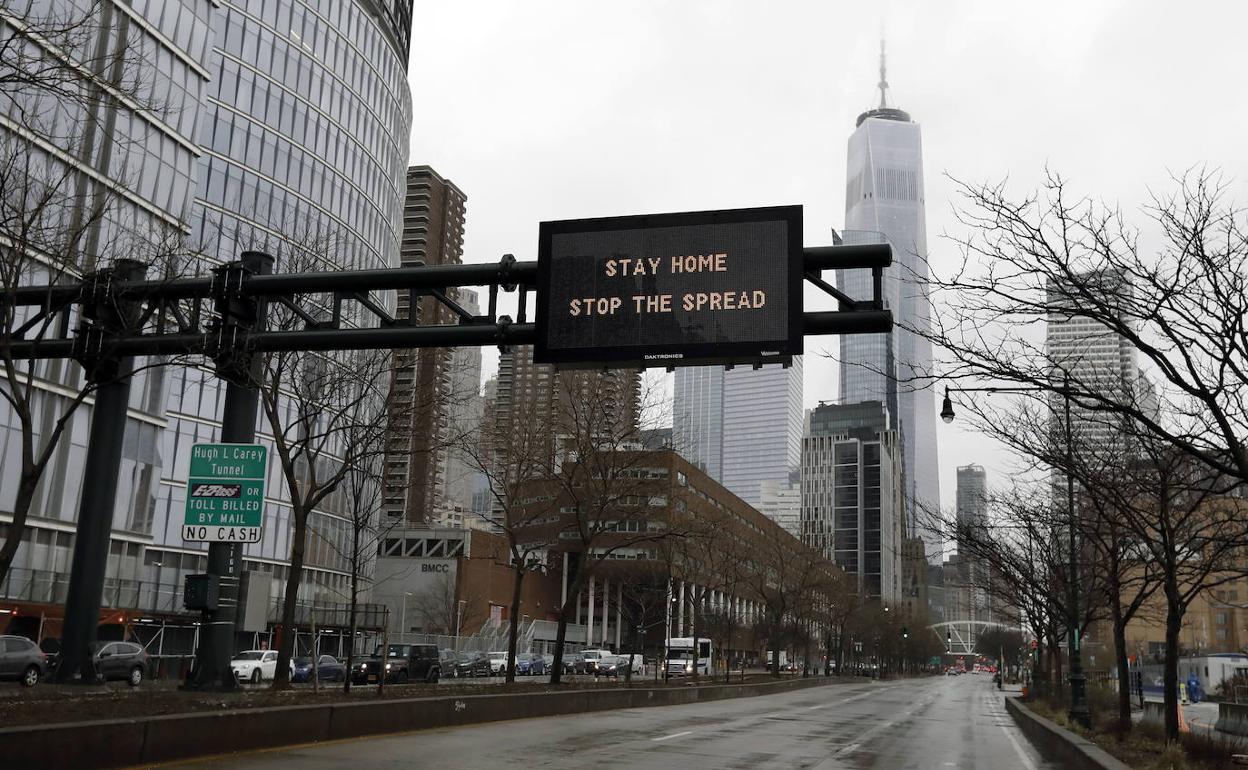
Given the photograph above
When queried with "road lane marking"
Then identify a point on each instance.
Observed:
(850, 749)
(687, 732)
(1019, 750)
(843, 701)
(1027, 763)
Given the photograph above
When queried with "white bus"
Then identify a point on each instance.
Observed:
(681, 658)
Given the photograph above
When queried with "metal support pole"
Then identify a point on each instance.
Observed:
(1079, 711)
(238, 426)
(100, 471)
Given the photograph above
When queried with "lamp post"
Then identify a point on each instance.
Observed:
(459, 609)
(403, 614)
(1079, 711)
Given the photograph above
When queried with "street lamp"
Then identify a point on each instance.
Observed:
(1079, 711)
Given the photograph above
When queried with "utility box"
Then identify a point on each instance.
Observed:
(200, 592)
(253, 601)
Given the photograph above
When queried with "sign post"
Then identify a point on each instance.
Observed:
(225, 493)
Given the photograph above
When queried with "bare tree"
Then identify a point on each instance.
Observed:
(439, 606)
(1097, 456)
(509, 456)
(1181, 308)
(1177, 302)
(596, 476)
(784, 576)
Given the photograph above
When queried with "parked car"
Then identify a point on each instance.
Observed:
(328, 669)
(498, 663)
(402, 663)
(21, 659)
(530, 664)
(575, 663)
(446, 661)
(472, 664)
(636, 661)
(120, 660)
(256, 665)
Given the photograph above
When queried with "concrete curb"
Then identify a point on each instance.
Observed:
(147, 740)
(1059, 745)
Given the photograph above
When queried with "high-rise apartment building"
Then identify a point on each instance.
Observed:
(971, 508)
(423, 390)
(289, 130)
(742, 426)
(852, 500)
(966, 585)
(884, 203)
(459, 460)
(537, 407)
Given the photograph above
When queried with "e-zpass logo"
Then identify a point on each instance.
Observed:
(216, 490)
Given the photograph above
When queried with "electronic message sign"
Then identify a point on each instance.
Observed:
(671, 289)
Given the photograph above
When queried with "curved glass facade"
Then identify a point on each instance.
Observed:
(282, 123)
(138, 167)
(304, 132)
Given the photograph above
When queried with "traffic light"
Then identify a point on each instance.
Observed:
(905, 634)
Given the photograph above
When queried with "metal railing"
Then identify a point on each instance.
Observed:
(51, 587)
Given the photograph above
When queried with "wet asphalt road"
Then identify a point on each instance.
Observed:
(946, 722)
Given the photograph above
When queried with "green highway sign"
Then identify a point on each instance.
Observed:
(225, 493)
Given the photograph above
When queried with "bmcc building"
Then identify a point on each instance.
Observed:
(635, 539)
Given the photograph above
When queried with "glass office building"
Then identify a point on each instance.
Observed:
(742, 426)
(884, 202)
(292, 129)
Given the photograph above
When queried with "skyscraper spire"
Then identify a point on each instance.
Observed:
(883, 79)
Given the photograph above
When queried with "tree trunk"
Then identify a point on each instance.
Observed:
(17, 527)
(561, 632)
(775, 655)
(693, 630)
(1170, 675)
(316, 668)
(806, 654)
(513, 624)
(1124, 669)
(352, 620)
(281, 677)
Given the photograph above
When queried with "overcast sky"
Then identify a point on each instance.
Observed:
(562, 110)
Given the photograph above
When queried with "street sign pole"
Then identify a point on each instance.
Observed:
(101, 469)
(238, 426)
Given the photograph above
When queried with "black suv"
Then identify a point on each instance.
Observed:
(403, 663)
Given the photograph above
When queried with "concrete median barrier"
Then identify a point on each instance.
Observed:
(1060, 746)
(127, 742)
(1232, 718)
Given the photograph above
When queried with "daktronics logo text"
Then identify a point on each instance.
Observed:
(653, 356)
(216, 490)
